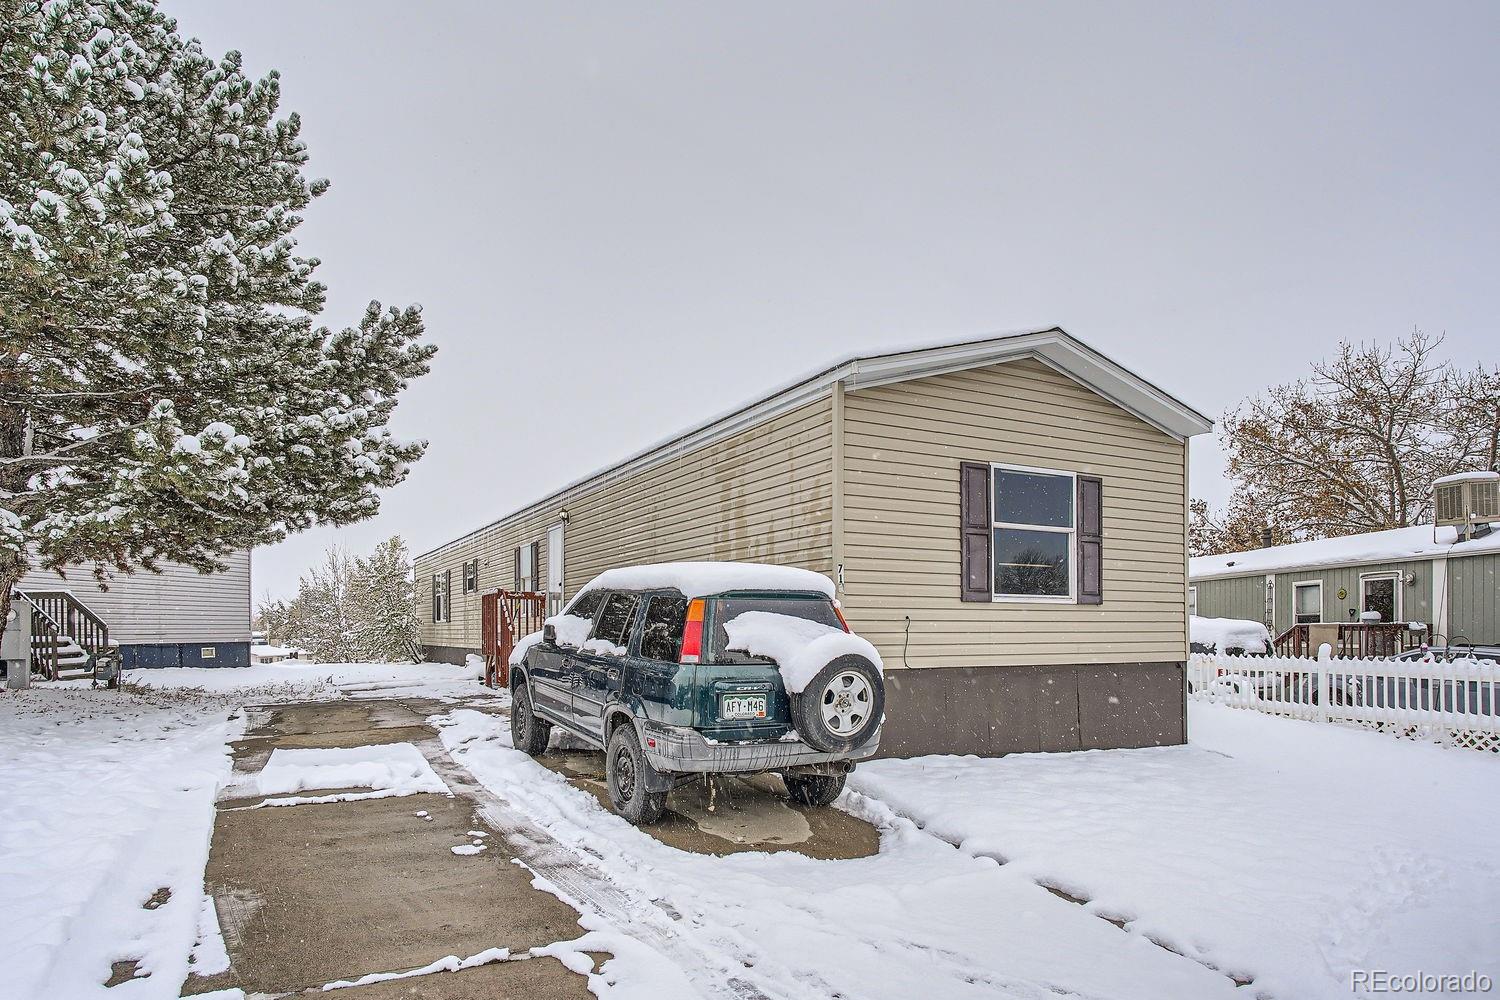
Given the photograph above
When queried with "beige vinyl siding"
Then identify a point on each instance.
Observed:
(763, 495)
(902, 447)
(179, 604)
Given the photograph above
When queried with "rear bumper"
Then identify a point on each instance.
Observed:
(677, 749)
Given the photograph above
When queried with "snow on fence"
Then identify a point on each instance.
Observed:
(1456, 703)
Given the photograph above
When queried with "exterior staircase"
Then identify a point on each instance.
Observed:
(66, 635)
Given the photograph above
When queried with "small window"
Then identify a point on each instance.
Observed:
(471, 576)
(1033, 529)
(208, 652)
(437, 597)
(1307, 603)
(1193, 600)
(614, 624)
(526, 560)
(661, 633)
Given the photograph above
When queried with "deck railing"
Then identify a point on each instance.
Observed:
(1350, 639)
(505, 616)
(56, 616)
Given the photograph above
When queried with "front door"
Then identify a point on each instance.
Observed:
(597, 669)
(1380, 594)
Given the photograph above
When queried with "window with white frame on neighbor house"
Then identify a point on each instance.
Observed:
(1033, 524)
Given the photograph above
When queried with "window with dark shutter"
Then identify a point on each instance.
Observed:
(437, 599)
(974, 527)
(447, 595)
(1090, 540)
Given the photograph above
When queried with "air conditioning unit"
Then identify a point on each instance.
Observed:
(1467, 500)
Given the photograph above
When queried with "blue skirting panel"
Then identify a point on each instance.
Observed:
(185, 654)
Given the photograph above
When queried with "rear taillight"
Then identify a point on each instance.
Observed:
(692, 633)
(841, 617)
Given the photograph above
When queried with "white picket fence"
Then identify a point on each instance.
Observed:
(1456, 703)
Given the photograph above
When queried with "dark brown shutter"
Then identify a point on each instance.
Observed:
(517, 581)
(1090, 540)
(536, 566)
(974, 524)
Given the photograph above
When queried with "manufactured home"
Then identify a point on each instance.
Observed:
(1434, 583)
(176, 618)
(1005, 519)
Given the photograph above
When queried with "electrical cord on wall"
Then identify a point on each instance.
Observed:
(906, 642)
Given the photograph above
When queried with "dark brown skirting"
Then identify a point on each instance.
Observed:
(999, 710)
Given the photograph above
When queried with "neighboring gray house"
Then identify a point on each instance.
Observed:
(176, 618)
(1421, 574)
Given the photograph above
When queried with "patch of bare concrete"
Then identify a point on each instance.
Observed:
(531, 979)
(311, 894)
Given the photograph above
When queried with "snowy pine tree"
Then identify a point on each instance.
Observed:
(164, 392)
(384, 599)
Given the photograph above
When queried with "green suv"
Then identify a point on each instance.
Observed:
(683, 669)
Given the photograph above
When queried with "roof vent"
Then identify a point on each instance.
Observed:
(1467, 501)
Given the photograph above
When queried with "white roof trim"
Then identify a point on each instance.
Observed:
(1054, 347)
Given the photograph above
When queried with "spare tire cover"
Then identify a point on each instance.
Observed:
(841, 706)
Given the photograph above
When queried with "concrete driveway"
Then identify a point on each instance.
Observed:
(352, 886)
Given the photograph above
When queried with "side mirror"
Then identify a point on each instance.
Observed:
(549, 634)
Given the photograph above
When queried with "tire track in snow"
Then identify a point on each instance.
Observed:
(579, 881)
(1242, 981)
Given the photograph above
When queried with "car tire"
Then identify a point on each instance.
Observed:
(627, 772)
(528, 733)
(813, 789)
(841, 706)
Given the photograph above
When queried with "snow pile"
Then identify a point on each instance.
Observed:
(800, 648)
(474, 666)
(301, 680)
(572, 630)
(390, 769)
(1372, 546)
(917, 919)
(1223, 634)
(1285, 851)
(700, 579)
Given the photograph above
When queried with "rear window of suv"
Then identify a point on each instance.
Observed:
(728, 608)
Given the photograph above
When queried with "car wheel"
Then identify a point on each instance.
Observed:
(528, 733)
(842, 705)
(813, 789)
(628, 772)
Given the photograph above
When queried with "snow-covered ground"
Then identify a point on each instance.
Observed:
(1268, 849)
(1285, 851)
(108, 796)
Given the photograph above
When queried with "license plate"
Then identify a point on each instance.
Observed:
(742, 706)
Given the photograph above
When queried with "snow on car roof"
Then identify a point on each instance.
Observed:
(699, 579)
(1372, 546)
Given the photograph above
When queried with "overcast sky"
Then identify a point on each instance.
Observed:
(621, 220)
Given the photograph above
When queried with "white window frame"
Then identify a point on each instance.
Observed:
(1322, 616)
(1071, 531)
(1193, 600)
(1397, 579)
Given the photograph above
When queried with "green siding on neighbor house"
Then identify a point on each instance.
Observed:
(1474, 598)
(1473, 586)
(1415, 604)
(1235, 597)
